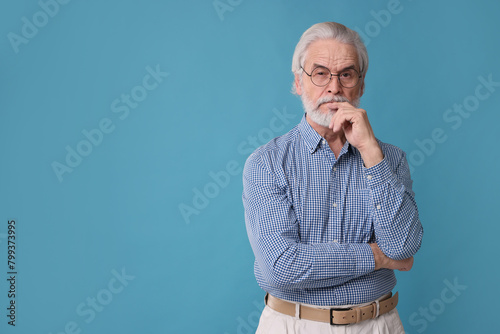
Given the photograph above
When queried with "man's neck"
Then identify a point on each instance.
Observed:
(335, 140)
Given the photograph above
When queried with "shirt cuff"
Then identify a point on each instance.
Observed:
(378, 174)
(364, 261)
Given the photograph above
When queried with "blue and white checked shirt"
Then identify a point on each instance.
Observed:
(310, 218)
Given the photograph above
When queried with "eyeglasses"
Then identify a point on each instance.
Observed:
(321, 76)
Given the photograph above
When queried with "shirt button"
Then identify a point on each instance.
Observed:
(369, 177)
(378, 207)
(323, 141)
(334, 205)
(335, 240)
(334, 169)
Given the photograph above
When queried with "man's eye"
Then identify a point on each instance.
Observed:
(321, 72)
(346, 75)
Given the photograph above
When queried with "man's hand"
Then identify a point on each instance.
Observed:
(382, 261)
(358, 131)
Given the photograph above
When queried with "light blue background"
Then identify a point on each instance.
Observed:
(119, 209)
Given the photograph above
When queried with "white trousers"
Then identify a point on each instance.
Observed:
(273, 322)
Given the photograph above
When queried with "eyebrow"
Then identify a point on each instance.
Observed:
(341, 70)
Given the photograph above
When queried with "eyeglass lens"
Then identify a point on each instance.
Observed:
(321, 76)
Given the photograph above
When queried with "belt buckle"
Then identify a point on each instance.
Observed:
(338, 309)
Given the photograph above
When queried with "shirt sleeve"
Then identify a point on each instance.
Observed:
(397, 226)
(273, 231)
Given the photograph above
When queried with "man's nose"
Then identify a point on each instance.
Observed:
(334, 86)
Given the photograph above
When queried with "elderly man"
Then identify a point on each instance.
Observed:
(329, 209)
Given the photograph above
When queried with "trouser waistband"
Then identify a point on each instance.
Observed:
(334, 316)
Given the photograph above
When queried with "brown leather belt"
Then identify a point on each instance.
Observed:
(334, 316)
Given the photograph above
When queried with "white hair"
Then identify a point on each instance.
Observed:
(328, 30)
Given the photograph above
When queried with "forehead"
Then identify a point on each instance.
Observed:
(332, 54)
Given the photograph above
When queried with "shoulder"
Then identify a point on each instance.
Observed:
(276, 151)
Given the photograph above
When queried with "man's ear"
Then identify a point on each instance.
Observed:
(298, 89)
(362, 88)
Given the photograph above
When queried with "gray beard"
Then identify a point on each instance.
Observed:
(319, 117)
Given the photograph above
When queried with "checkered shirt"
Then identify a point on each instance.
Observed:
(310, 218)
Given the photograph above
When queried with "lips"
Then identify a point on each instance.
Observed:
(330, 106)
(327, 102)
(332, 100)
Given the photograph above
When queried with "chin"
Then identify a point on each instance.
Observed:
(322, 118)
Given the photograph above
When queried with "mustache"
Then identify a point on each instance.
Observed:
(335, 98)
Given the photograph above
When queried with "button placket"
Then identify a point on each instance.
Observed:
(334, 204)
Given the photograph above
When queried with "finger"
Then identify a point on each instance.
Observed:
(341, 104)
(408, 264)
(341, 119)
(338, 124)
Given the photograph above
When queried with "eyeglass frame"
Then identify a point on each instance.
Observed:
(333, 75)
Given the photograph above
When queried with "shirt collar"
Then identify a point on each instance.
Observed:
(313, 139)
